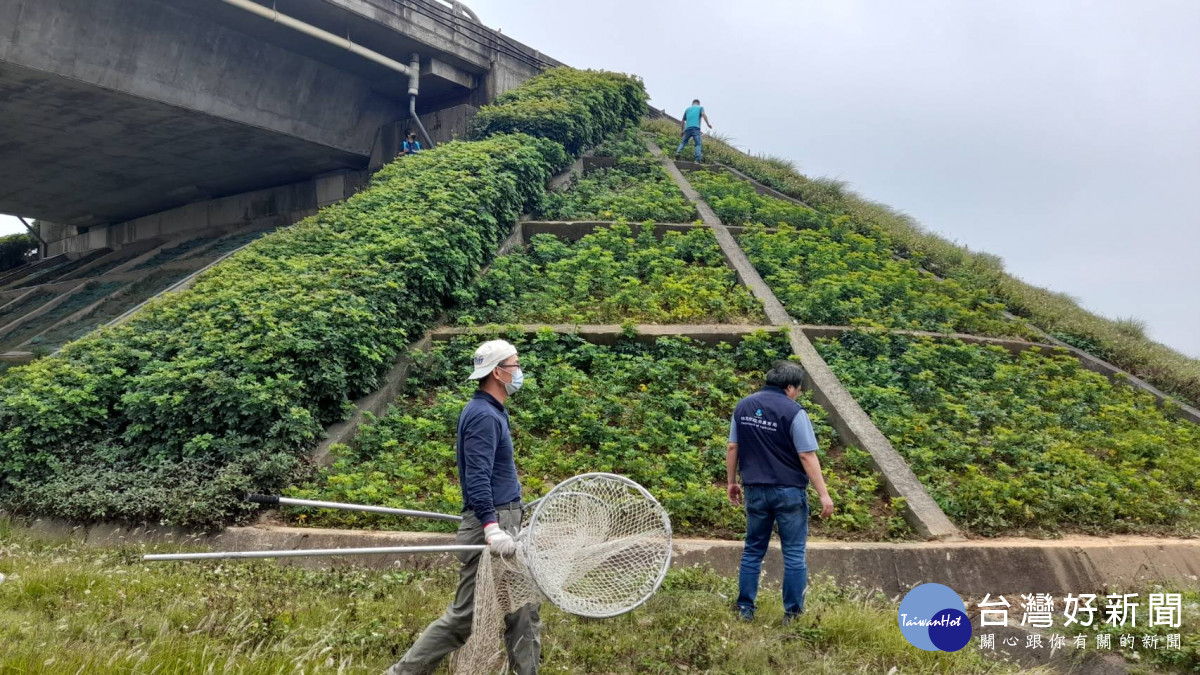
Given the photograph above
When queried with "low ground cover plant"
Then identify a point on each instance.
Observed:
(636, 188)
(1122, 342)
(658, 414)
(1027, 444)
(836, 275)
(736, 203)
(616, 274)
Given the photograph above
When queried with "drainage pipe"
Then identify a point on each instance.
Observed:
(323, 35)
(414, 71)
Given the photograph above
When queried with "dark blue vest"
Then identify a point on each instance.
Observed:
(766, 453)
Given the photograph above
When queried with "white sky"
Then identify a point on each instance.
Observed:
(1062, 135)
(10, 225)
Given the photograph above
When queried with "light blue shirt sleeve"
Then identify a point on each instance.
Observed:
(802, 433)
(733, 428)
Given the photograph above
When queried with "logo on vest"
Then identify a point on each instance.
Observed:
(758, 413)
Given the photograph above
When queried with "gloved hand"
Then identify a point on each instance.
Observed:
(499, 541)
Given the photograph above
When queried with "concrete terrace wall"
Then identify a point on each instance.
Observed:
(972, 568)
(270, 207)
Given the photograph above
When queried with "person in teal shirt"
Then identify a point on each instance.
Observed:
(411, 145)
(690, 126)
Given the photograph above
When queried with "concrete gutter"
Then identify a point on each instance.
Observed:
(758, 187)
(852, 423)
(611, 334)
(734, 255)
(1013, 346)
(972, 568)
(574, 230)
(1098, 365)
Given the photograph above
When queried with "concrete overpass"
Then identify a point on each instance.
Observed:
(127, 119)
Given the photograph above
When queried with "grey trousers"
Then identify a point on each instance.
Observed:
(522, 628)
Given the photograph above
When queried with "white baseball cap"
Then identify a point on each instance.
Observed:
(489, 355)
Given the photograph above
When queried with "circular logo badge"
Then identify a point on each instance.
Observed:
(932, 617)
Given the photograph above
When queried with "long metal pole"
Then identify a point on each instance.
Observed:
(288, 501)
(303, 552)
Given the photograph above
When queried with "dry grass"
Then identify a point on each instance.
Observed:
(69, 609)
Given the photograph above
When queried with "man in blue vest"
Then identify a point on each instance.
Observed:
(772, 446)
(690, 127)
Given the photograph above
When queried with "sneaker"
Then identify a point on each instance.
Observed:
(788, 618)
(746, 615)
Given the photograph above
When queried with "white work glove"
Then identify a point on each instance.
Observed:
(499, 541)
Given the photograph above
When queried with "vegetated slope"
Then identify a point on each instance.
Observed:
(1024, 444)
(827, 270)
(224, 388)
(658, 414)
(1121, 342)
(636, 187)
(616, 274)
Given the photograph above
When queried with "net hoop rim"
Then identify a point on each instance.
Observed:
(666, 518)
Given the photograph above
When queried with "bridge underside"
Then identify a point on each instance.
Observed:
(78, 154)
(113, 110)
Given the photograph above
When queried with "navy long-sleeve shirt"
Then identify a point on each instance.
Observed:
(486, 469)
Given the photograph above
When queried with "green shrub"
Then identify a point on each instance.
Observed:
(226, 386)
(613, 275)
(656, 413)
(635, 189)
(736, 203)
(576, 108)
(638, 188)
(625, 143)
(837, 276)
(1032, 443)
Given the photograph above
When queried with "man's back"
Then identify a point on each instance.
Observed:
(691, 117)
(770, 430)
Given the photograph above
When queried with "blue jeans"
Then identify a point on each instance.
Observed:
(690, 133)
(765, 506)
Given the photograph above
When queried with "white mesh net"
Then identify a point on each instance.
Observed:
(597, 545)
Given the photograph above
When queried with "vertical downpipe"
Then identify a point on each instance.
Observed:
(414, 74)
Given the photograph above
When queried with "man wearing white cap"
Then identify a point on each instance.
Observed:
(491, 514)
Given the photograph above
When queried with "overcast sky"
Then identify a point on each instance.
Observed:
(1062, 136)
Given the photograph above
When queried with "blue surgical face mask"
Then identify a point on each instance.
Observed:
(518, 378)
